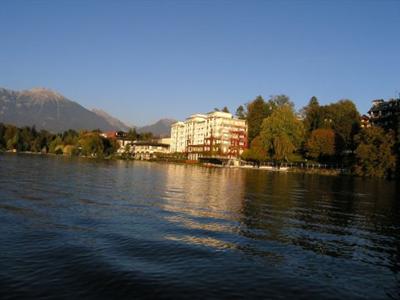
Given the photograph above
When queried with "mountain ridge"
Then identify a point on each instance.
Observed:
(160, 128)
(48, 110)
(111, 119)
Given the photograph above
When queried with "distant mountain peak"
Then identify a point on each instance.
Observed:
(43, 94)
(47, 109)
(40, 89)
(166, 121)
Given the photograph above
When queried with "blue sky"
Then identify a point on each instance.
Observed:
(145, 60)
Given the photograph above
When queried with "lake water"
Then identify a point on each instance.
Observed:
(76, 228)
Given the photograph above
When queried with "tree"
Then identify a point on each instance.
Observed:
(92, 145)
(132, 134)
(2, 132)
(313, 115)
(344, 119)
(70, 150)
(127, 149)
(240, 112)
(225, 109)
(70, 137)
(257, 152)
(145, 136)
(374, 153)
(10, 144)
(27, 135)
(276, 101)
(35, 145)
(110, 146)
(43, 140)
(15, 143)
(281, 133)
(9, 133)
(257, 111)
(127, 153)
(56, 145)
(321, 144)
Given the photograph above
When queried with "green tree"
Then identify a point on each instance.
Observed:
(313, 115)
(10, 132)
(15, 142)
(92, 145)
(132, 134)
(145, 136)
(35, 145)
(276, 101)
(110, 146)
(56, 145)
(257, 111)
(225, 109)
(256, 152)
(127, 151)
(281, 133)
(374, 153)
(43, 140)
(2, 132)
(70, 150)
(70, 137)
(27, 135)
(344, 119)
(240, 112)
(12, 143)
(321, 144)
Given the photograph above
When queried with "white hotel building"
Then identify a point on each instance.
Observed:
(216, 134)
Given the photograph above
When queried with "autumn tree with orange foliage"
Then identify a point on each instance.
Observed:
(321, 144)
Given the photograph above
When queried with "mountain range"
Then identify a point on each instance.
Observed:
(116, 123)
(47, 109)
(160, 128)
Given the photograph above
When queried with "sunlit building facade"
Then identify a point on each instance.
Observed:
(216, 134)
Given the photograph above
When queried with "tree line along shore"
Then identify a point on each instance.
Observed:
(71, 142)
(329, 134)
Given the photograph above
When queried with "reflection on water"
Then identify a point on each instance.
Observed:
(75, 228)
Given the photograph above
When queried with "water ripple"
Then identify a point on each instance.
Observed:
(75, 228)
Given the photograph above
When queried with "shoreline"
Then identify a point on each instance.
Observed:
(293, 170)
